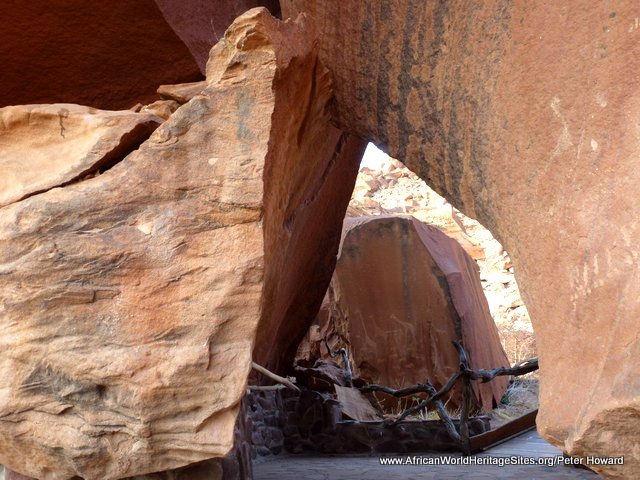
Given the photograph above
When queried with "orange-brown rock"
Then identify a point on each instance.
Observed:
(183, 92)
(401, 293)
(45, 146)
(129, 302)
(524, 115)
(162, 108)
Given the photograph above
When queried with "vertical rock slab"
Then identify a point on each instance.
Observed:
(401, 293)
(524, 115)
(129, 302)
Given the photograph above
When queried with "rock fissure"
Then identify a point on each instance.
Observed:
(110, 161)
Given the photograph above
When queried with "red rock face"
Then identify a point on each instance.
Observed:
(299, 274)
(109, 55)
(524, 115)
(130, 301)
(401, 294)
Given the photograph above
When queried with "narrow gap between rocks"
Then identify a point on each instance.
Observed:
(364, 335)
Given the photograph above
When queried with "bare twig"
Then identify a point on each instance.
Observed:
(284, 381)
(405, 392)
(467, 391)
(434, 397)
(348, 374)
(467, 375)
(265, 388)
(521, 368)
(442, 413)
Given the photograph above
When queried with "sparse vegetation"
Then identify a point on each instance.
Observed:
(520, 398)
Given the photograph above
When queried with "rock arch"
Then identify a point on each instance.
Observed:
(525, 116)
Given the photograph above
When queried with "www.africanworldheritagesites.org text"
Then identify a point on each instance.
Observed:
(500, 461)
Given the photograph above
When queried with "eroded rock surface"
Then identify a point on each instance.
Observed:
(129, 302)
(201, 23)
(401, 294)
(181, 93)
(524, 115)
(45, 146)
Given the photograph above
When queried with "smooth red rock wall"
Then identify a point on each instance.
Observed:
(107, 54)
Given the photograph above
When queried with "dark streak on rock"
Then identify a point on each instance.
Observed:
(432, 132)
(383, 99)
(407, 258)
(405, 84)
(485, 85)
(443, 282)
(63, 114)
(460, 101)
(366, 70)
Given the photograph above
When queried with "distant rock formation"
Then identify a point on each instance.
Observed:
(387, 186)
(401, 293)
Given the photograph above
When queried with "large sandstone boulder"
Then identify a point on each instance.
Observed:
(129, 302)
(524, 115)
(401, 293)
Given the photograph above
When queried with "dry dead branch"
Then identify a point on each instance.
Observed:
(284, 381)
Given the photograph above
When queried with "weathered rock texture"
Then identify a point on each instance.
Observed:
(201, 23)
(524, 115)
(129, 302)
(108, 55)
(401, 294)
(183, 92)
(44, 146)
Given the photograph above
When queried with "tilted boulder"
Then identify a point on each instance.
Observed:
(129, 302)
(524, 115)
(402, 292)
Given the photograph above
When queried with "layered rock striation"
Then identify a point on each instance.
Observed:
(46, 146)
